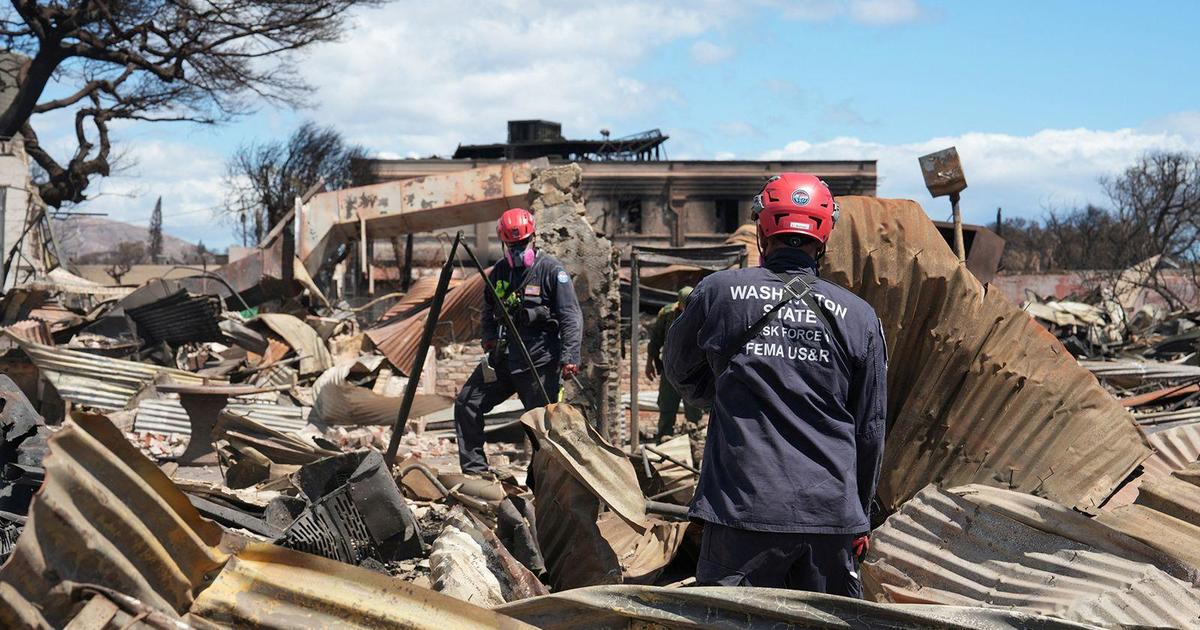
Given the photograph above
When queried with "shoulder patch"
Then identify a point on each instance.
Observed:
(563, 278)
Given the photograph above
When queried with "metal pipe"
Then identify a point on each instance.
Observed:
(209, 274)
(635, 325)
(508, 322)
(959, 249)
(667, 509)
(672, 459)
(666, 493)
(431, 319)
(429, 474)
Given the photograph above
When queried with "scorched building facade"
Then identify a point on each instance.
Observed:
(632, 193)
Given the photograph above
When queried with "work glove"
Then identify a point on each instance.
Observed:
(569, 370)
(650, 371)
(861, 545)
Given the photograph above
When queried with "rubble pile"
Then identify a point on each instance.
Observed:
(197, 455)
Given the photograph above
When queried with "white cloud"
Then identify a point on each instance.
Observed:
(1022, 174)
(874, 12)
(885, 11)
(708, 53)
(187, 178)
(421, 77)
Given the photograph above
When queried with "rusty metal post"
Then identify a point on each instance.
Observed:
(635, 325)
(959, 249)
(431, 320)
(408, 255)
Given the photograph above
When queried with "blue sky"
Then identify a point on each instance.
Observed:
(1041, 98)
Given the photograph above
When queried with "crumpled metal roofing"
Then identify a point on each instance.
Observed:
(458, 321)
(976, 545)
(265, 586)
(166, 415)
(108, 516)
(602, 468)
(1175, 448)
(96, 381)
(624, 606)
(1173, 496)
(105, 515)
(1138, 371)
(418, 295)
(1161, 531)
(978, 392)
(305, 341)
(178, 318)
(31, 330)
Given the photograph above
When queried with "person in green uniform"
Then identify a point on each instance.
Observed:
(668, 398)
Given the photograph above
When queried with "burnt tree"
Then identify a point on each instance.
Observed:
(149, 60)
(264, 179)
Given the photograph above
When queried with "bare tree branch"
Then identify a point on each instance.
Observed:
(153, 60)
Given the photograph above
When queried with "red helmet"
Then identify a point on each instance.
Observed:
(514, 226)
(795, 203)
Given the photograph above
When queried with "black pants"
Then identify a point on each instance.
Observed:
(668, 406)
(821, 563)
(477, 398)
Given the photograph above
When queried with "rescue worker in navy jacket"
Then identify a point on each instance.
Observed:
(797, 420)
(538, 294)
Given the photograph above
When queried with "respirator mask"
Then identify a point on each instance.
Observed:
(520, 254)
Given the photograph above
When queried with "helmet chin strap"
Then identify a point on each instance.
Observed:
(762, 244)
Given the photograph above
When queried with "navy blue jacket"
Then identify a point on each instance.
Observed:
(543, 306)
(795, 435)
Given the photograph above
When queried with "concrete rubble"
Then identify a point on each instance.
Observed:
(204, 453)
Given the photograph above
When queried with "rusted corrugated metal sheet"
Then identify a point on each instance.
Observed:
(108, 516)
(105, 515)
(1139, 371)
(305, 341)
(1161, 531)
(977, 391)
(983, 546)
(265, 586)
(31, 330)
(1172, 496)
(752, 609)
(166, 415)
(1174, 449)
(418, 295)
(95, 381)
(179, 318)
(458, 322)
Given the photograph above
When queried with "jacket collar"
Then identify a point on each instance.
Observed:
(790, 260)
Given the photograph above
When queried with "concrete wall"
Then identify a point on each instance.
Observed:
(14, 185)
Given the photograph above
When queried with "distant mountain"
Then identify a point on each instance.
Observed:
(82, 237)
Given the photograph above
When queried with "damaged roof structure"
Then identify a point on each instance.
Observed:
(210, 453)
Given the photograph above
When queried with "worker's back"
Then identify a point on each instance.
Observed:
(797, 420)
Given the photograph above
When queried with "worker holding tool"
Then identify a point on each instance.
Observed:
(538, 294)
(668, 398)
(794, 369)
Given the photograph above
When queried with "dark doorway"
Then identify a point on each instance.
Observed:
(629, 216)
(728, 220)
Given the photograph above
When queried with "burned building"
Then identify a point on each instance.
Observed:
(633, 193)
